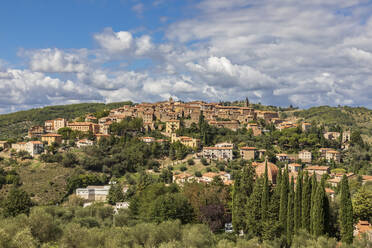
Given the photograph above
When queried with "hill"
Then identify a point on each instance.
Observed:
(15, 125)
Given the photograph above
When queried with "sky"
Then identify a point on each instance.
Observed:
(278, 52)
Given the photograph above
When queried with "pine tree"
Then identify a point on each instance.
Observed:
(317, 212)
(284, 199)
(253, 220)
(306, 203)
(290, 213)
(346, 212)
(243, 188)
(298, 203)
(313, 193)
(265, 196)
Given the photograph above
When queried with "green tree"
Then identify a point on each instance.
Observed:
(284, 199)
(306, 203)
(243, 187)
(318, 212)
(290, 213)
(265, 196)
(17, 202)
(298, 203)
(346, 212)
(69, 159)
(313, 194)
(115, 194)
(362, 204)
(253, 221)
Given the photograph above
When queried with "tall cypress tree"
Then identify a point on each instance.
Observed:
(290, 213)
(298, 203)
(243, 187)
(306, 203)
(313, 194)
(253, 220)
(317, 212)
(284, 200)
(265, 196)
(346, 212)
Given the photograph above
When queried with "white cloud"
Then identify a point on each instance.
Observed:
(56, 60)
(144, 45)
(114, 42)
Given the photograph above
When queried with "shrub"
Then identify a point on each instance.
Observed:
(204, 161)
(183, 168)
(190, 161)
(198, 174)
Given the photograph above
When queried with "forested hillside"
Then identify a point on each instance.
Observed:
(16, 124)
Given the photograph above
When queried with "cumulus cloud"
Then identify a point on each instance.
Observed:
(114, 42)
(56, 60)
(32, 89)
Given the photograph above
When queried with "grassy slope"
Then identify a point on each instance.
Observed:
(15, 125)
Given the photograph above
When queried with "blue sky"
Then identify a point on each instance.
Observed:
(303, 53)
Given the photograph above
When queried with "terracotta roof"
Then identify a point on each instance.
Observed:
(51, 135)
(316, 167)
(36, 142)
(329, 191)
(367, 178)
(248, 148)
(218, 148)
(295, 165)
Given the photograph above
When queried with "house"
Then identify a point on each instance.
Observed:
(333, 156)
(331, 135)
(255, 129)
(233, 125)
(305, 156)
(366, 178)
(4, 144)
(32, 147)
(93, 193)
(331, 193)
(272, 170)
(293, 167)
(319, 170)
(323, 151)
(171, 126)
(120, 205)
(148, 139)
(186, 141)
(182, 178)
(84, 127)
(208, 177)
(346, 136)
(35, 131)
(51, 138)
(100, 135)
(305, 126)
(334, 181)
(282, 156)
(90, 118)
(218, 153)
(52, 126)
(248, 153)
(363, 227)
(84, 142)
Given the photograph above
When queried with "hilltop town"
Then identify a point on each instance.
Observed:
(112, 157)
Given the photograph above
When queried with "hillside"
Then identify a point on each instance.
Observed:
(346, 117)
(15, 125)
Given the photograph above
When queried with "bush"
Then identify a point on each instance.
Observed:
(190, 161)
(198, 174)
(204, 161)
(183, 168)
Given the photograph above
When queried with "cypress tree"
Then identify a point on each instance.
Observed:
(306, 203)
(284, 200)
(298, 203)
(290, 213)
(242, 189)
(313, 193)
(346, 212)
(318, 213)
(253, 220)
(265, 196)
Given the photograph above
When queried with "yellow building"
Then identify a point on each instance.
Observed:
(51, 138)
(186, 141)
(172, 126)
